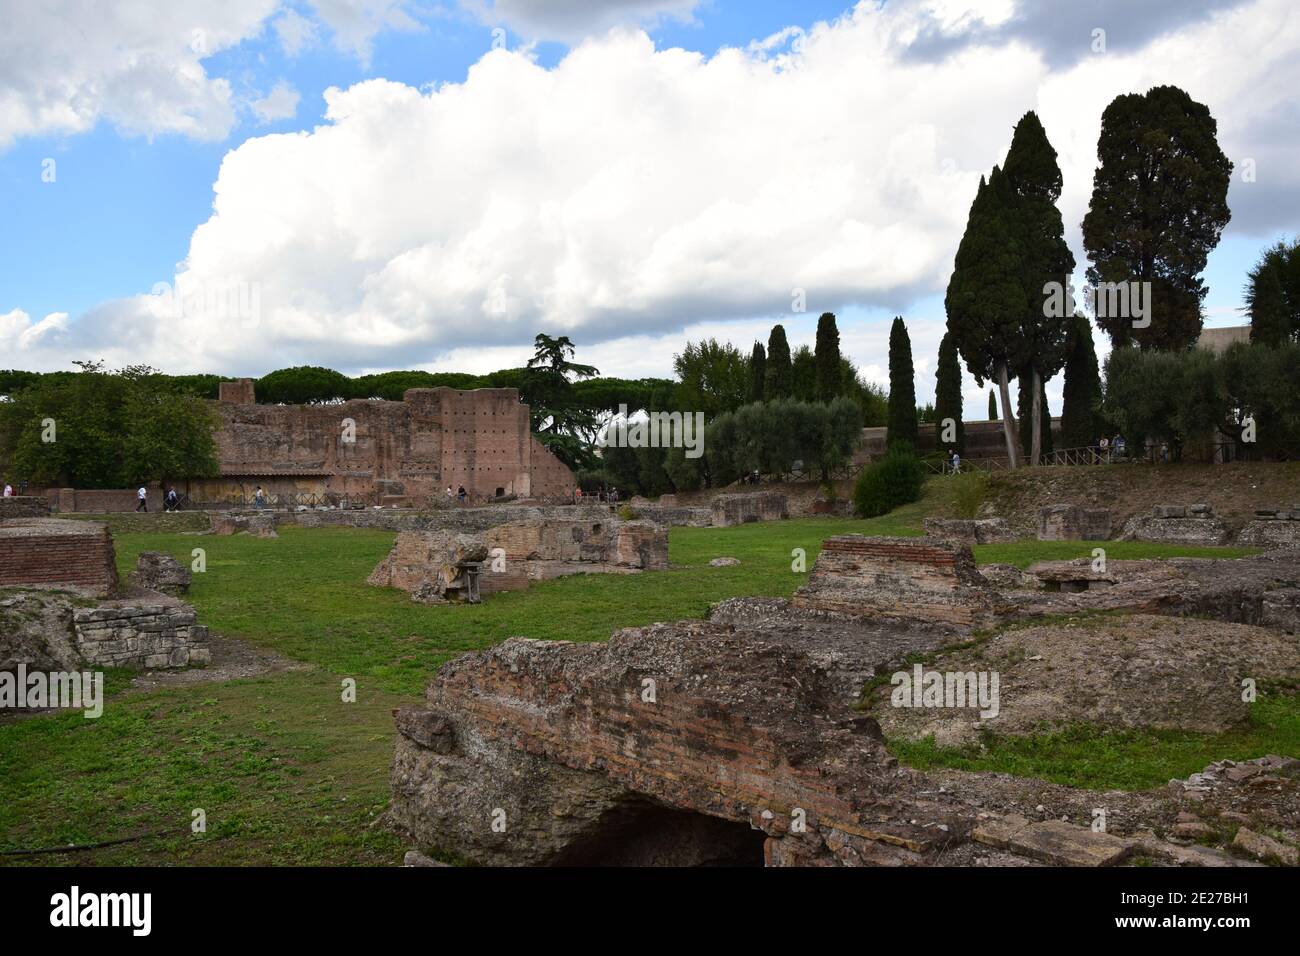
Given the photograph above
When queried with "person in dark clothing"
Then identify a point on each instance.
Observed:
(460, 494)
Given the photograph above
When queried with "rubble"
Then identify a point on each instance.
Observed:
(155, 571)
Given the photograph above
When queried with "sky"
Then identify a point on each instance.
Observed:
(378, 184)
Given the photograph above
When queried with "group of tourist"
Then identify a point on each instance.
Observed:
(171, 500)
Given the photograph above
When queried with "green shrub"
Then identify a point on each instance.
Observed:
(886, 484)
(968, 492)
(628, 513)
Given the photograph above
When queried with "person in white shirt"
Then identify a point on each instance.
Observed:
(142, 496)
(9, 490)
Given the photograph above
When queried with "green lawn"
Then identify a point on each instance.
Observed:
(288, 773)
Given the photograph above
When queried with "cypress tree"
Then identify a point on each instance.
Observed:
(1266, 300)
(902, 388)
(993, 406)
(757, 370)
(986, 298)
(1080, 426)
(777, 375)
(1035, 179)
(827, 354)
(947, 398)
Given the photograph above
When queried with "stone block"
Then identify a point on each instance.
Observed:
(1073, 523)
(156, 571)
(737, 509)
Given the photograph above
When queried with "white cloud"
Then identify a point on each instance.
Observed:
(295, 32)
(281, 103)
(19, 332)
(629, 193)
(355, 23)
(572, 20)
(65, 65)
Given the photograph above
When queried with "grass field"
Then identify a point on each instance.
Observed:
(288, 773)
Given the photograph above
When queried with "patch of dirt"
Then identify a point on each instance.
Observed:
(1133, 671)
(231, 659)
(1233, 490)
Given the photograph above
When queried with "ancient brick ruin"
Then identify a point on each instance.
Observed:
(446, 565)
(740, 740)
(916, 578)
(404, 450)
(57, 553)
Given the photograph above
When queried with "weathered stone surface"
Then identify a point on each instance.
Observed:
(969, 531)
(1263, 589)
(915, 578)
(156, 571)
(512, 555)
(1263, 847)
(1052, 841)
(1268, 534)
(743, 508)
(693, 742)
(725, 562)
(57, 553)
(431, 565)
(52, 632)
(1174, 524)
(24, 506)
(1073, 523)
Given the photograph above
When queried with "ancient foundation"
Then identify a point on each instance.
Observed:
(1073, 523)
(912, 578)
(57, 554)
(742, 509)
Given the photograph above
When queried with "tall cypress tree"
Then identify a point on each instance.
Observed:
(827, 354)
(1159, 205)
(902, 388)
(1035, 179)
(777, 376)
(993, 406)
(1080, 425)
(947, 398)
(1266, 300)
(757, 371)
(986, 298)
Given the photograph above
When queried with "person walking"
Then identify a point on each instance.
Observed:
(450, 494)
(141, 499)
(954, 459)
(9, 490)
(259, 498)
(172, 500)
(460, 494)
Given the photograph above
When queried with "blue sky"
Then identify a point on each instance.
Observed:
(632, 190)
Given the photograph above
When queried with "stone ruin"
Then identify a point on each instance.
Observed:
(743, 508)
(1073, 523)
(741, 740)
(1177, 524)
(258, 524)
(155, 571)
(57, 553)
(969, 530)
(1272, 527)
(440, 566)
(53, 566)
(913, 578)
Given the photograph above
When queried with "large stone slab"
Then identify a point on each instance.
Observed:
(1052, 841)
(1068, 522)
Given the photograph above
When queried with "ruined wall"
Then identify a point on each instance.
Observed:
(743, 508)
(433, 438)
(57, 554)
(920, 578)
(140, 635)
(24, 506)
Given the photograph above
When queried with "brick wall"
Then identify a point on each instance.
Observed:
(50, 553)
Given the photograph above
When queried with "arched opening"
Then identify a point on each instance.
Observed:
(643, 833)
